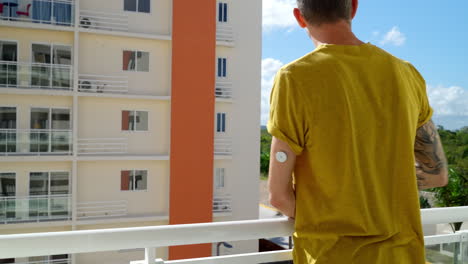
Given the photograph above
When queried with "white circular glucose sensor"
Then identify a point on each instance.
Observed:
(281, 156)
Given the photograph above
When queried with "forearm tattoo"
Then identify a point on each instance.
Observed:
(430, 157)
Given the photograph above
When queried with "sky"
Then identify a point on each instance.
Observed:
(432, 35)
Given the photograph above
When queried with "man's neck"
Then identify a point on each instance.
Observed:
(338, 33)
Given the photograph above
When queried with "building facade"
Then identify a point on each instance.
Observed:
(122, 113)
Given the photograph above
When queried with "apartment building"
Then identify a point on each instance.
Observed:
(124, 113)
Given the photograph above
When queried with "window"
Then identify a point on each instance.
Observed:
(134, 120)
(142, 6)
(135, 61)
(133, 180)
(222, 69)
(52, 66)
(7, 129)
(222, 12)
(219, 181)
(7, 184)
(8, 66)
(221, 122)
(50, 130)
(49, 193)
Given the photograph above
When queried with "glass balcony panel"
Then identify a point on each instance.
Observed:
(61, 141)
(61, 78)
(40, 76)
(8, 74)
(446, 253)
(39, 141)
(35, 142)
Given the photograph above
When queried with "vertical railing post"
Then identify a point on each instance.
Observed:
(150, 257)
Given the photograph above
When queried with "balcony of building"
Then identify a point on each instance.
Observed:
(35, 208)
(223, 146)
(37, 76)
(223, 90)
(35, 142)
(38, 12)
(454, 247)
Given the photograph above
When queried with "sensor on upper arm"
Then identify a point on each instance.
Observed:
(281, 156)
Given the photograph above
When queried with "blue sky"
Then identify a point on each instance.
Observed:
(429, 34)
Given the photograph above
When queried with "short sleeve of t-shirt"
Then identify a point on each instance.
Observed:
(425, 110)
(286, 120)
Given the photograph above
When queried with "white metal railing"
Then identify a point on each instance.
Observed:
(222, 203)
(14, 142)
(223, 146)
(35, 75)
(91, 19)
(51, 261)
(102, 83)
(102, 146)
(223, 89)
(88, 241)
(50, 12)
(36, 208)
(106, 209)
(224, 33)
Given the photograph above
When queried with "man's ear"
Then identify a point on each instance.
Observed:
(355, 4)
(299, 18)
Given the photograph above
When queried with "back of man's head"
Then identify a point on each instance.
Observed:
(317, 12)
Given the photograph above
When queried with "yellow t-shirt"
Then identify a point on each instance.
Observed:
(351, 113)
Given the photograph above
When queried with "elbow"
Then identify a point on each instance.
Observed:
(277, 201)
(443, 178)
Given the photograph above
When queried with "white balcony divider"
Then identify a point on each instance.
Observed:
(29, 75)
(224, 33)
(102, 146)
(48, 12)
(19, 142)
(87, 241)
(37, 208)
(222, 146)
(222, 203)
(223, 89)
(106, 209)
(91, 19)
(102, 84)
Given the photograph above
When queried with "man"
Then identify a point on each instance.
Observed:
(351, 127)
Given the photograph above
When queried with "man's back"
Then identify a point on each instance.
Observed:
(351, 113)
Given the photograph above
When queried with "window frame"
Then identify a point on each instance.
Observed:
(223, 16)
(135, 130)
(136, 60)
(222, 122)
(216, 179)
(49, 181)
(221, 68)
(134, 182)
(17, 55)
(136, 10)
(50, 117)
(16, 185)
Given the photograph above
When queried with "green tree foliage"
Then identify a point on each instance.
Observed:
(265, 143)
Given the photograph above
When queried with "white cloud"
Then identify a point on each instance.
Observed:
(269, 68)
(448, 101)
(278, 14)
(394, 37)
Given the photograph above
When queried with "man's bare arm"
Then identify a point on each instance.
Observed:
(431, 164)
(280, 185)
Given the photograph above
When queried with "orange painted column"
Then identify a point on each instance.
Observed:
(192, 118)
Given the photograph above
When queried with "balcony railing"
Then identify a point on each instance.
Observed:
(49, 12)
(150, 238)
(223, 146)
(35, 75)
(15, 142)
(88, 210)
(89, 83)
(102, 146)
(224, 33)
(52, 261)
(222, 203)
(223, 90)
(90, 19)
(14, 209)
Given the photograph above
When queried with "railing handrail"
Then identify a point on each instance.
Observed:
(70, 242)
(35, 196)
(42, 64)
